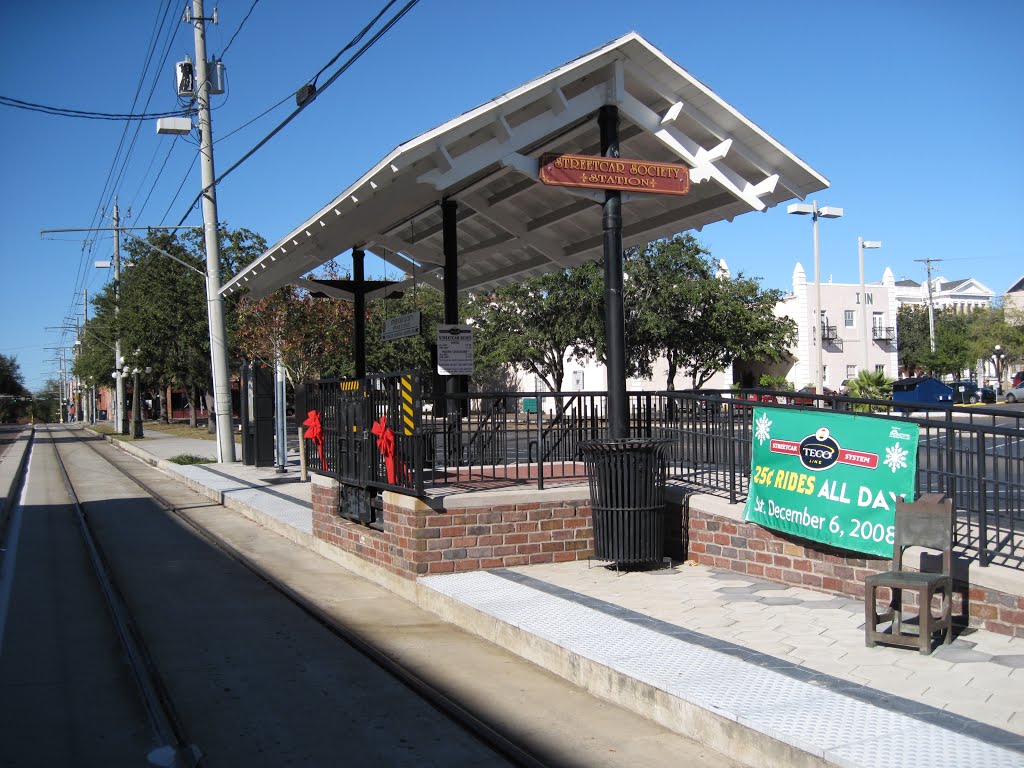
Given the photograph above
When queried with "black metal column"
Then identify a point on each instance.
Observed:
(449, 235)
(359, 310)
(614, 318)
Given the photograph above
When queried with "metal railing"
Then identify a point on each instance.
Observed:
(883, 333)
(479, 440)
(976, 455)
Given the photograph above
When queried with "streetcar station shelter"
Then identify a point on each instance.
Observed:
(462, 206)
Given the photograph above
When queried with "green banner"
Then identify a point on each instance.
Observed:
(831, 477)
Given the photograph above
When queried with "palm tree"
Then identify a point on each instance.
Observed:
(870, 385)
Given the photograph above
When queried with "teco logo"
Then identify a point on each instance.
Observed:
(819, 451)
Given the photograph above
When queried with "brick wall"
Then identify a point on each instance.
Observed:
(725, 542)
(419, 539)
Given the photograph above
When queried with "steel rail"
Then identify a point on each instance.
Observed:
(458, 714)
(173, 747)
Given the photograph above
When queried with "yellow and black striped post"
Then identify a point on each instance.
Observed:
(410, 417)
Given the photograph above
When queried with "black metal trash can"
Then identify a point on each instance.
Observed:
(627, 495)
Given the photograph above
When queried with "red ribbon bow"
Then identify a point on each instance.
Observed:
(315, 432)
(386, 446)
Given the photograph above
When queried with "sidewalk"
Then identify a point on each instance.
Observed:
(765, 673)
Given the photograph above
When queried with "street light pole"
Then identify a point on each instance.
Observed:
(136, 406)
(997, 360)
(861, 245)
(214, 301)
(827, 212)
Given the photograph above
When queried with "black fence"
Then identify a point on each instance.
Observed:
(389, 433)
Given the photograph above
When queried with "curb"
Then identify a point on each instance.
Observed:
(721, 732)
(12, 473)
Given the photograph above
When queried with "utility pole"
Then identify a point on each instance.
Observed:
(119, 420)
(63, 382)
(931, 306)
(214, 301)
(90, 396)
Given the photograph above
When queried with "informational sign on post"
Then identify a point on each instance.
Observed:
(401, 326)
(455, 350)
(831, 477)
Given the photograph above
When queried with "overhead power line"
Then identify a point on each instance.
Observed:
(251, 9)
(7, 101)
(340, 71)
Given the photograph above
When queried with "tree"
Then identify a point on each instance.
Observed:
(661, 293)
(701, 322)
(163, 309)
(539, 323)
(992, 326)
(952, 345)
(46, 403)
(312, 335)
(14, 397)
(913, 338)
(961, 339)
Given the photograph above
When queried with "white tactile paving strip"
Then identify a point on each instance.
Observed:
(263, 498)
(839, 721)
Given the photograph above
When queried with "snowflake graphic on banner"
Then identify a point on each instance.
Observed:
(896, 457)
(763, 428)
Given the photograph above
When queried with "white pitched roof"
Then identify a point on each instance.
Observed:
(510, 226)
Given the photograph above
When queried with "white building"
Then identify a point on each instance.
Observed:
(855, 332)
(961, 295)
(1013, 301)
(592, 376)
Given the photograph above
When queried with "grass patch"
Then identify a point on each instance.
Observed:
(191, 458)
(182, 429)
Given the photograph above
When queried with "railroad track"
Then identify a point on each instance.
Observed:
(171, 734)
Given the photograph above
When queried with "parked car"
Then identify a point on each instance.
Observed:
(970, 392)
(760, 395)
(1016, 395)
(803, 395)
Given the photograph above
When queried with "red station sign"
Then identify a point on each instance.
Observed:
(614, 173)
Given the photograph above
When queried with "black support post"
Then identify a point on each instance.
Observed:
(614, 318)
(359, 310)
(449, 235)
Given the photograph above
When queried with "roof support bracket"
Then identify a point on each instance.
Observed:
(687, 149)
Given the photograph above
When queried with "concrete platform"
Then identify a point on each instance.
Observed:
(767, 674)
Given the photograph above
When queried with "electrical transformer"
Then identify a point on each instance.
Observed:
(216, 73)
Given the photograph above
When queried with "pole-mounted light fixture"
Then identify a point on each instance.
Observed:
(826, 212)
(861, 245)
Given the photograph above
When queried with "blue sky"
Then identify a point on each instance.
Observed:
(911, 109)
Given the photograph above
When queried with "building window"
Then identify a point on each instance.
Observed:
(848, 318)
(851, 371)
(879, 368)
(877, 322)
(577, 380)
